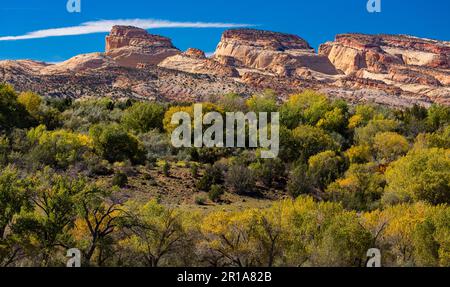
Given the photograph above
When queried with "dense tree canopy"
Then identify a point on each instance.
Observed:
(102, 175)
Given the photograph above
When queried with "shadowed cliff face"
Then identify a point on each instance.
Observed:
(391, 70)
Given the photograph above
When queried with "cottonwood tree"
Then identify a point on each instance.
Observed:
(424, 174)
(46, 228)
(14, 197)
(152, 232)
(99, 214)
(270, 235)
(230, 237)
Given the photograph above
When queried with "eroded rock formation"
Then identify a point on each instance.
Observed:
(131, 46)
(281, 54)
(194, 61)
(390, 70)
(413, 65)
(376, 53)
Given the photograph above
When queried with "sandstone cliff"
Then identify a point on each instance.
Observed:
(390, 70)
(351, 52)
(130, 46)
(414, 65)
(282, 54)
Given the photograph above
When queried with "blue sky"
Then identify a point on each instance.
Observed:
(315, 21)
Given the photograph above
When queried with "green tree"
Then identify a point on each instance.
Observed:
(300, 181)
(114, 144)
(362, 115)
(215, 193)
(213, 175)
(12, 113)
(343, 243)
(4, 149)
(98, 218)
(438, 116)
(423, 174)
(304, 222)
(360, 189)
(166, 168)
(426, 248)
(413, 120)
(389, 146)
(265, 102)
(31, 101)
(334, 121)
(44, 230)
(439, 139)
(307, 108)
(120, 179)
(324, 168)
(359, 154)
(143, 117)
(152, 232)
(365, 135)
(230, 238)
(59, 148)
(307, 141)
(14, 197)
(269, 171)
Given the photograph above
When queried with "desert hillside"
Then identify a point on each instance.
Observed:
(396, 71)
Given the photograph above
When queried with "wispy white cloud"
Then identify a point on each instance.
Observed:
(103, 26)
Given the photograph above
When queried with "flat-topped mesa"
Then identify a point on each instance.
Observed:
(125, 36)
(377, 53)
(278, 53)
(400, 41)
(132, 47)
(266, 40)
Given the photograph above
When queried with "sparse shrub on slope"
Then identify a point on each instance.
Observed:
(240, 179)
(213, 175)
